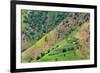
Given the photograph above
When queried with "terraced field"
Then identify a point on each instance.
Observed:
(67, 40)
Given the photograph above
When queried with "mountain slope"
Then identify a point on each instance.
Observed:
(69, 24)
(72, 47)
(35, 24)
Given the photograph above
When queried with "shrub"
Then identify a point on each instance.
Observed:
(48, 51)
(22, 50)
(64, 54)
(38, 57)
(67, 21)
(71, 49)
(74, 53)
(64, 50)
(80, 23)
(56, 59)
(78, 47)
(29, 59)
(57, 46)
(52, 48)
(42, 54)
(74, 18)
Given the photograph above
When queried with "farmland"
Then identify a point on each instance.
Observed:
(54, 36)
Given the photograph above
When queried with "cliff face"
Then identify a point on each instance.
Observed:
(69, 24)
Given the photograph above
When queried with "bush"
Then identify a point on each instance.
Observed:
(64, 54)
(80, 23)
(74, 18)
(22, 50)
(67, 21)
(48, 51)
(64, 50)
(38, 57)
(29, 59)
(42, 54)
(57, 46)
(70, 49)
(52, 48)
(56, 59)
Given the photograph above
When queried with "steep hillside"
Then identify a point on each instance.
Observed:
(64, 29)
(72, 47)
(36, 24)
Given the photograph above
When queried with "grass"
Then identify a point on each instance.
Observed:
(56, 53)
(60, 57)
(42, 41)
